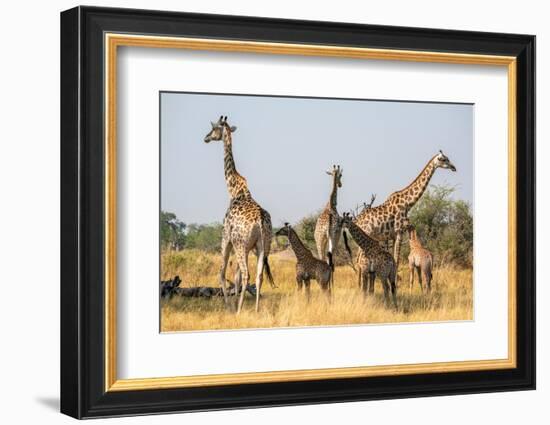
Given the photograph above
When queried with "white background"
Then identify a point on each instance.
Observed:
(29, 222)
(141, 345)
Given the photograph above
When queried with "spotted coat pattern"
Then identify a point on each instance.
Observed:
(421, 261)
(246, 226)
(307, 266)
(375, 261)
(389, 220)
(329, 226)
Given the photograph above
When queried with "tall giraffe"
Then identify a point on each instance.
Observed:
(390, 219)
(375, 261)
(246, 225)
(329, 224)
(307, 266)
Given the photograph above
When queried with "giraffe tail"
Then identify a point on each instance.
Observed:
(268, 274)
(348, 249)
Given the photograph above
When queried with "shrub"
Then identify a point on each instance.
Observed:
(207, 237)
(445, 226)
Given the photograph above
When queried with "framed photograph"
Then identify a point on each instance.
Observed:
(261, 212)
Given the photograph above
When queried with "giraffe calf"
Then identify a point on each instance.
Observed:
(421, 260)
(373, 262)
(307, 266)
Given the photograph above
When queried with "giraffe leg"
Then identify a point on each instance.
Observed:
(321, 244)
(365, 280)
(242, 260)
(238, 277)
(384, 278)
(397, 248)
(411, 277)
(428, 279)
(330, 251)
(368, 283)
(419, 273)
(308, 293)
(360, 278)
(259, 276)
(226, 251)
(393, 286)
(325, 286)
(372, 278)
(331, 264)
(299, 283)
(359, 261)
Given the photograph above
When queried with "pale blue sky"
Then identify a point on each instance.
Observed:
(284, 145)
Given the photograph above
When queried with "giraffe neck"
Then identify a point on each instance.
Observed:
(236, 184)
(297, 245)
(333, 195)
(416, 189)
(415, 243)
(364, 241)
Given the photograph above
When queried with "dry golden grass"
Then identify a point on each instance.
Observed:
(451, 298)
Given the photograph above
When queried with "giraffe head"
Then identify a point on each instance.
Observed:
(218, 128)
(336, 174)
(346, 219)
(284, 231)
(414, 242)
(442, 161)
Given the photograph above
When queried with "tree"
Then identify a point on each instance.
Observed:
(444, 225)
(306, 230)
(172, 231)
(174, 234)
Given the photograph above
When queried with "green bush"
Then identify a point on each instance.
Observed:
(306, 230)
(206, 237)
(177, 235)
(445, 226)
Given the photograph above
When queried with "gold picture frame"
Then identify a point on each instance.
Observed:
(114, 41)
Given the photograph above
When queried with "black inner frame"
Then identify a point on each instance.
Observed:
(82, 212)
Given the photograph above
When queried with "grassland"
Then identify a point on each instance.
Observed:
(451, 297)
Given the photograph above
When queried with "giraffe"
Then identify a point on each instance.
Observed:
(329, 224)
(307, 266)
(246, 225)
(375, 261)
(420, 259)
(389, 220)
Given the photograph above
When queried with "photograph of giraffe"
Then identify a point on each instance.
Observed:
(264, 220)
